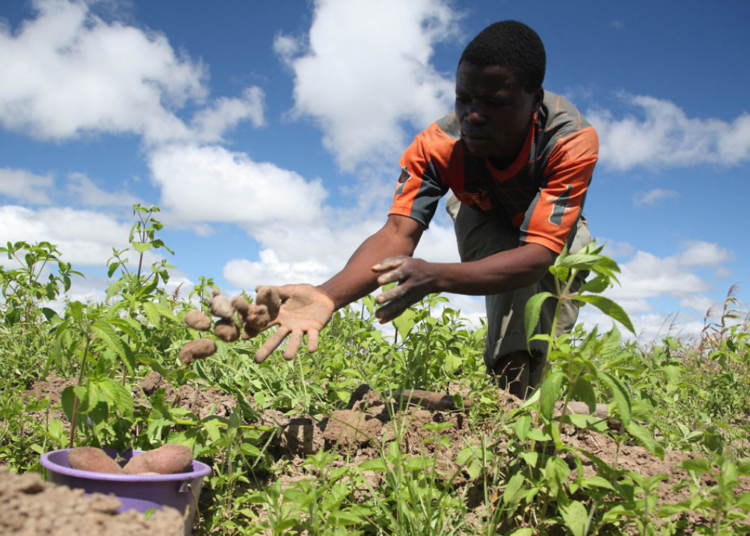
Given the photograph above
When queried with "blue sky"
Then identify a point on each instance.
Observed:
(269, 133)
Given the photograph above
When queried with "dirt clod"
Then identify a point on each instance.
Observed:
(198, 349)
(220, 306)
(31, 507)
(197, 320)
(227, 330)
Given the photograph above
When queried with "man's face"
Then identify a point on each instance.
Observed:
(494, 111)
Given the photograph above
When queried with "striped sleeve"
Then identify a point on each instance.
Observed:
(419, 186)
(558, 205)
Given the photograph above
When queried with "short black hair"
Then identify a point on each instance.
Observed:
(513, 45)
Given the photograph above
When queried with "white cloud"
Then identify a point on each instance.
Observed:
(225, 113)
(708, 254)
(23, 186)
(647, 278)
(699, 303)
(654, 196)
(616, 249)
(366, 69)
(86, 192)
(212, 184)
(661, 135)
(67, 72)
(83, 237)
(270, 270)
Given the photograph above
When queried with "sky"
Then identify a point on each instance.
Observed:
(269, 134)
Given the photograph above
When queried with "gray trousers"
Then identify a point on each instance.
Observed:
(479, 235)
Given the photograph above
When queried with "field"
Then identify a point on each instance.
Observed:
(324, 444)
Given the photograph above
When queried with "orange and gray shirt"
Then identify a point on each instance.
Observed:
(541, 193)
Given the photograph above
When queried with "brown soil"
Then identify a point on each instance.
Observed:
(196, 397)
(31, 507)
(363, 430)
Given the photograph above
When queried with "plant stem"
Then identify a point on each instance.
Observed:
(75, 397)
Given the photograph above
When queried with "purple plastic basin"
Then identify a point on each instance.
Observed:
(136, 492)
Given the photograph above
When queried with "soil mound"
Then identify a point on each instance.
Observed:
(31, 507)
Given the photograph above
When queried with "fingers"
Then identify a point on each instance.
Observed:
(389, 264)
(271, 344)
(285, 292)
(294, 343)
(393, 309)
(312, 340)
(394, 293)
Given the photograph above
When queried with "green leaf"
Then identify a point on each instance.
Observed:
(115, 288)
(343, 518)
(699, 465)
(404, 323)
(575, 516)
(612, 341)
(550, 393)
(152, 313)
(153, 364)
(620, 394)
(377, 464)
(538, 435)
(120, 397)
(533, 311)
(599, 284)
(645, 438)
(418, 463)
(141, 247)
(523, 425)
(68, 402)
(584, 391)
(522, 532)
(510, 495)
(743, 466)
(580, 261)
(610, 308)
(248, 449)
(212, 429)
(107, 335)
(597, 482)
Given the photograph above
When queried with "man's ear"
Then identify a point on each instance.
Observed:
(538, 98)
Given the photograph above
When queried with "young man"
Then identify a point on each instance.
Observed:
(518, 162)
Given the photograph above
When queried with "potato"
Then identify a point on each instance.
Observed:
(92, 459)
(166, 460)
(198, 349)
(249, 332)
(258, 317)
(227, 330)
(270, 298)
(220, 306)
(241, 305)
(197, 320)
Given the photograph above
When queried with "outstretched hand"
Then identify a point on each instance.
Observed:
(305, 309)
(415, 279)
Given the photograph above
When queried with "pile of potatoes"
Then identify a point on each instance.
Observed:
(166, 460)
(252, 320)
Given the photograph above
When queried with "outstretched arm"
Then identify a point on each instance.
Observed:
(416, 278)
(307, 309)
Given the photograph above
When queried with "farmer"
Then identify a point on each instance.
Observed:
(518, 161)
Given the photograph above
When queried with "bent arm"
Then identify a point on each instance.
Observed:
(501, 272)
(399, 236)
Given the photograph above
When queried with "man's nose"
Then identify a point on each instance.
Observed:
(475, 116)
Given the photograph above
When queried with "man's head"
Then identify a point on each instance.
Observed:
(499, 89)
